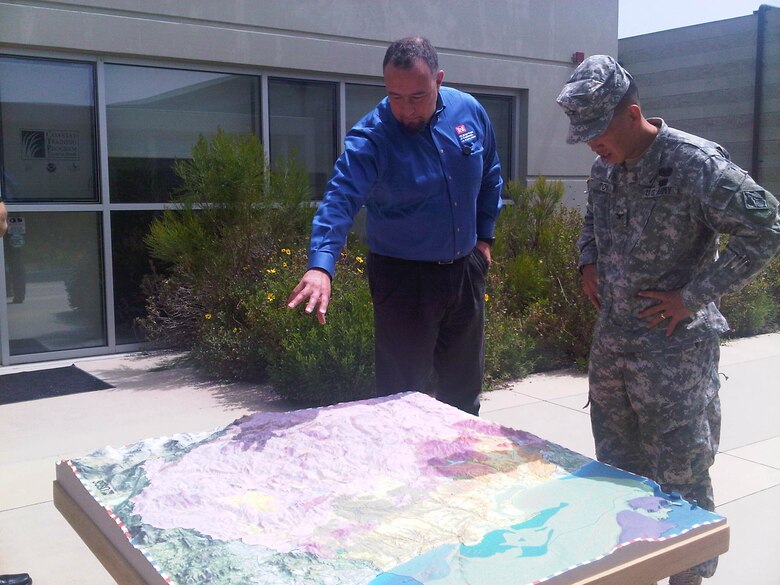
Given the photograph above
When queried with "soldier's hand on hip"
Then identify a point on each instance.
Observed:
(669, 309)
(590, 284)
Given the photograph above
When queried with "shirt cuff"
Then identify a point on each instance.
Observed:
(323, 261)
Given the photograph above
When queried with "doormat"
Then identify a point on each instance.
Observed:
(49, 383)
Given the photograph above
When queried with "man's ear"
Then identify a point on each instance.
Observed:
(439, 77)
(635, 113)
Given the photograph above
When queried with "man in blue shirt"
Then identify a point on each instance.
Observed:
(424, 164)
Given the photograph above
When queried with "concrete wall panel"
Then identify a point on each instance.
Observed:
(702, 79)
(508, 45)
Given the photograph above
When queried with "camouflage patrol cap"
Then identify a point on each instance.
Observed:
(590, 96)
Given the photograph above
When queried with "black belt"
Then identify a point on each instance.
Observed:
(455, 261)
(429, 262)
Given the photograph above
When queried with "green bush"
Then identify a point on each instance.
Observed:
(756, 308)
(536, 271)
(233, 214)
(509, 353)
(313, 363)
(235, 247)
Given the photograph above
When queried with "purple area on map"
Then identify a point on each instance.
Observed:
(634, 525)
(256, 429)
(648, 503)
(466, 458)
(491, 428)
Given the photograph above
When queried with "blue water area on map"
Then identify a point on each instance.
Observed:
(679, 512)
(496, 541)
(597, 470)
(435, 564)
(393, 579)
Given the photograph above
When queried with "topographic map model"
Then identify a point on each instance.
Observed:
(388, 491)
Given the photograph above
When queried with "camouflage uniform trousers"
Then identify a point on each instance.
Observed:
(657, 414)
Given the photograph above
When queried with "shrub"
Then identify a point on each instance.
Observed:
(536, 261)
(233, 213)
(509, 352)
(756, 308)
(307, 361)
(235, 246)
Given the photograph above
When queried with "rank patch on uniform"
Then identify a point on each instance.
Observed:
(605, 187)
(755, 200)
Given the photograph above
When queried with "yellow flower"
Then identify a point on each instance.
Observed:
(360, 271)
(270, 297)
(487, 297)
(271, 270)
(286, 251)
(359, 259)
(235, 329)
(284, 264)
(207, 316)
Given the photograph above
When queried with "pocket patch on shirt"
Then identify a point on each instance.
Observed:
(467, 139)
(755, 200)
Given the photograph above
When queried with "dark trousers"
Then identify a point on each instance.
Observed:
(429, 319)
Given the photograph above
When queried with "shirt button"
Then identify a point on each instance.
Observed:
(449, 177)
(456, 204)
(441, 150)
(457, 229)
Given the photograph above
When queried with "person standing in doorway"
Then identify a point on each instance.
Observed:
(16, 578)
(424, 164)
(658, 201)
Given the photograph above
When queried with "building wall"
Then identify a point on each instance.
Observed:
(99, 98)
(702, 79)
(512, 44)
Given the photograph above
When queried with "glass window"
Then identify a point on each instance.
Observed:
(499, 110)
(54, 281)
(360, 100)
(131, 263)
(154, 117)
(303, 126)
(47, 116)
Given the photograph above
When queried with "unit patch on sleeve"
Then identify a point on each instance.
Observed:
(755, 200)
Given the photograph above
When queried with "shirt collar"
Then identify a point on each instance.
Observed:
(647, 167)
(440, 105)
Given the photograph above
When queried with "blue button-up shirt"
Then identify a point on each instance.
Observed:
(429, 195)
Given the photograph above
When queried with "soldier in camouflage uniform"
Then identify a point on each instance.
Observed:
(658, 200)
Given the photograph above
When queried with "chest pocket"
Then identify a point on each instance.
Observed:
(472, 148)
(661, 217)
(600, 194)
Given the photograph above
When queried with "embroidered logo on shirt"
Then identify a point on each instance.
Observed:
(755, 200)
(464, 134)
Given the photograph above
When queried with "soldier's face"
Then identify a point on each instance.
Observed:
(412, 93)
(618, 142)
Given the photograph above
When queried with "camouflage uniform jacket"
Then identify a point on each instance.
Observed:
(657, 227)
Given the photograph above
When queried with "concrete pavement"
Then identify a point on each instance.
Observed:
(155, 396)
